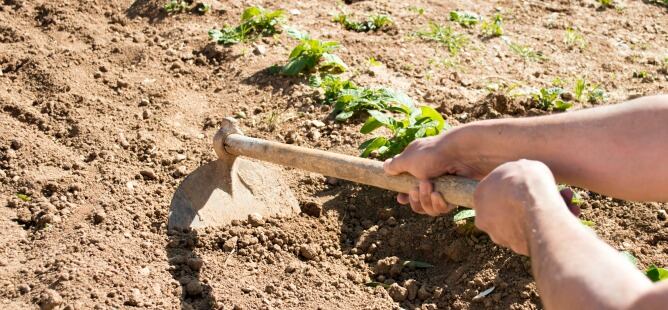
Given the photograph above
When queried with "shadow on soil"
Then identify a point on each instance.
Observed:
(150, 9)
(372, 222)
(184, 267)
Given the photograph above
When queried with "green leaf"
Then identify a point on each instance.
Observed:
(294, 66)
(372, 145)
(432, 114)
(382, 118)
(344, 115)
(295, 33)
(333, 62)
(464, 214)
(374, 284)
(370, 125)
(417, 264)
(656, 274)
(587, 223)
(24, 197)
(250, 13)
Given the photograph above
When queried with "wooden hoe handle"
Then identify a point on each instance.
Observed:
(455, 190)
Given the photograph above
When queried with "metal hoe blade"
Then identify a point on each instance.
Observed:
(228, 189)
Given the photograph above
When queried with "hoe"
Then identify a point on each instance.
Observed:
(233, 187)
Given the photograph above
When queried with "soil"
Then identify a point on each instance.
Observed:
(105, 106)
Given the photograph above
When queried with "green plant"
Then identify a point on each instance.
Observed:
(573, 39)
(310, 54)
(595, 94)
(606, 3)
(176, 6)
(445, 36)
(580, 86)
(642, 74)
(332, 86)
(465, 19)
(373, 23)
(550, 99)
(419, 10)
(415, 123)
(24, 197)
(493, 28)
(349, 101)
(656, 274)
(526, 52)
(255, 21)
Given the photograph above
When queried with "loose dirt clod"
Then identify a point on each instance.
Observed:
(49, 300)
(397, 292)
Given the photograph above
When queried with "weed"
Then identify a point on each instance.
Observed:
(332, 85)
(526, 52)
(374, 63)
(642, 74)
(415, 123)
(465, 19)
(24, 197)
(419, 10)
(445, 36)
(255, 21)
(595, 94)
(580, 86)
(311, 54)
(550, 99)
(373, 23)
(656, 274)
(176, 6)
(493, 28)
(574, 39)
(607, 3)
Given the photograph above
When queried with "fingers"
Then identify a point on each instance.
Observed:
(425, 190)
(440, 205)
(403, 199)
(394, 166)
(414, 199)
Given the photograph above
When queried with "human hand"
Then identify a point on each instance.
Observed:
(432, 157)
(504, 200)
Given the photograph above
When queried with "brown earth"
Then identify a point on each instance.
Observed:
(106, 105)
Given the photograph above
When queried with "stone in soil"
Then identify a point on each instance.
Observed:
(255, 219)
(397, 292)
(50, 299)
(308, 251)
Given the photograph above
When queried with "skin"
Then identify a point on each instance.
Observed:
(616, 150)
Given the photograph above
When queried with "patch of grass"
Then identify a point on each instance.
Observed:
(465, 19)
(445, 36)
(493, 28)
(24, 197)
(255, 21)
(574, 39)
(419, 10)
(373, 23)
(311, 54)
(527, 53)
(607, 3)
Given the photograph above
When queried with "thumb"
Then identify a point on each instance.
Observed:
(394, 166)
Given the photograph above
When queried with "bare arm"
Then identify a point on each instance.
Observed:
(519, 206)
(617, 150)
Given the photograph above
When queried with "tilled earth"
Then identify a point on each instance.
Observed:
(105, 106)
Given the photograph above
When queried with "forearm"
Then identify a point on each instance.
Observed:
(615, 150)
(573, 268)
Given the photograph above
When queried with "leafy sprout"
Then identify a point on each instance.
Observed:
(176, 6)
(311, 54)
(332, 85)
(550, 99)
(656, 274)
(415, 123)
(255, 21)
(203, 8)
(607, 3)
(574, 39)
(419, 10)
(493, 28)
(373, 23)
(445, 36)
(526, 52)
(580, 86)
(465, 19)
(24, 197)
(596, 94)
